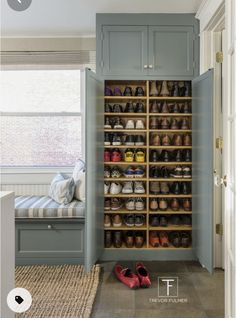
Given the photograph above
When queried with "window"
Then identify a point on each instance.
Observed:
(41, 124)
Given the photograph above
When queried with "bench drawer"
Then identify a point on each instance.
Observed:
(49, 240)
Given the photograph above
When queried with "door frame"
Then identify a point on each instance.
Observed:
(212, 22)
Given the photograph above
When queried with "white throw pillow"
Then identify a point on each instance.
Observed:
(80, 165)
(62, 189)
(80, 186)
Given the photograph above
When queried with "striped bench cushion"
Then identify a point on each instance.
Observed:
(46, 207)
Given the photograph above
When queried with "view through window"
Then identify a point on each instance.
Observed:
(40, 118)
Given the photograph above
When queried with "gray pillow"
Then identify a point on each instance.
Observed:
(62, 189)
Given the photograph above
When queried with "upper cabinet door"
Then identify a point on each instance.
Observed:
(124, 50)
(171, 51)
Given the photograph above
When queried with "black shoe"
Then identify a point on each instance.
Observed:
(187, 89)
(128, 91)
(186, 220)
(118, 123)
(165, 172)
(153, 156)
(117, 108)
(175, 108)
(175, 220)
(154, 172)
(165, 156)
(116, 140)
(107, 123)
(175, 239)
(139, 108)
(108, 108)
(175, 188)
(186, 109)
(139, 91)
(178, 156)
(163, 221)
(107, 139)
(139, 140)
(175, 90)
(182, 90)
(129, 140)
(187, 155)
(186, 188)
(154, 221)
(129, 108)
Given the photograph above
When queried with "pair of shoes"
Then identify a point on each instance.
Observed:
(137, 204)
(161, 204)
(115, 108)
(180, 188)
(181, 172)
(137, 140)
(115, 123)
(174, 204)
(173, 220)
(113, 155)
(112, 139)
(115, 220)
(133, 187)
(115, 92)
(131, 124)
(158, 221)
(139, 91)
(134, 172)
(134, 238)
(134, 220)
(157, 239)
(114, 172)
(157, 187)
(133, 281)
(113, 204)
(156, 172)
(134, 107)
(112, 188)
(137, 155)
(180, 239)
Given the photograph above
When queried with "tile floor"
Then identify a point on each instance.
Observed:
(202, 293)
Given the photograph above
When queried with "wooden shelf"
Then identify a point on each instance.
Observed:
(125, 212)
(125, 179)
(169, 130)
(169, 147)
(170, 212)
(169, 163)
(141, 115)
(144, 247)
(126, 130)
(134, 163)
(171, 247)
(170, 195)
(125, 97)
(126, 228)
(170, 228)
(171, 114)
(123, 146)
(169, 98)
(128, 195)
(170, 179)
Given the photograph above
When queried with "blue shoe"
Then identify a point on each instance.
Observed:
(129, 172)
(138, 172)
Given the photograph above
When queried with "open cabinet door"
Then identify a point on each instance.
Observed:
(203, 174)
(93, 102)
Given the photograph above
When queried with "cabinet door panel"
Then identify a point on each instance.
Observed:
(171, 51)
(124, 50)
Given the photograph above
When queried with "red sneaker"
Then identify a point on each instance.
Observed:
(107, 156)
(116, 155)
(143, 275)
(127, 277)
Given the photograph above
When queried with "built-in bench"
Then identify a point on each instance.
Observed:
(47, 232)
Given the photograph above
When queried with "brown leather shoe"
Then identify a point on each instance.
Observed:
(129, 239)
(187, 205)
(177, 140)
(166, 141)
(175, 108)
(174, 204)
(187, 140)
(164, 239)
(154, 187)
(155, 107)
(154, 239)
(174, 124)
(186, 108)
(108, 239)
(117, 220)
(153, 123)
(139, 239)
(156, 140)
(164, 188)
(165, 124)
(184, 124)
(117, 239)
(165, 108)
(163, 204)
(153, 204)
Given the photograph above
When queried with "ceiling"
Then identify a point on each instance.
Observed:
(77, 17)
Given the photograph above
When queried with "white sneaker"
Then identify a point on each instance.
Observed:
(139, 124)
(129, 124)
(139, 204)
(138, 187)
(128, 187)
(115, 188)
(106, 187)
(130, 204)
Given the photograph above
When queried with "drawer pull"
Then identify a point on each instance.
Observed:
(145, 66)
(49, 226)
(150, 66)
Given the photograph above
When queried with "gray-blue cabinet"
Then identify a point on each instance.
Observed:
(142, 46)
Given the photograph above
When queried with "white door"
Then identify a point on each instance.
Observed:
(229, 157)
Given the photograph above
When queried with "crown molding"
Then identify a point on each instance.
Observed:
(207, 11)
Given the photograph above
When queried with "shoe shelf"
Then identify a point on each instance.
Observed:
(147, 133)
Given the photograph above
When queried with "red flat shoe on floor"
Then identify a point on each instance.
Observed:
(143, 275)
(127, 277)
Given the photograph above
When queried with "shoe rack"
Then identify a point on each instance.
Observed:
(147, 133)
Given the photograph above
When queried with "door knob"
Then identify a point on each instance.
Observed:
(150, 66)
(145, 66)
(49, 226)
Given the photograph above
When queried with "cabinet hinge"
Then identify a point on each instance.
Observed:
(219, 143)
(219, 229)
(219, 57)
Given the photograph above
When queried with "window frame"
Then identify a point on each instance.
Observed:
(50, 169)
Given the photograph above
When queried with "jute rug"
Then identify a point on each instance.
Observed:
(59, 291)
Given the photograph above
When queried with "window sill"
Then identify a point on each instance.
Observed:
(36, 170)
